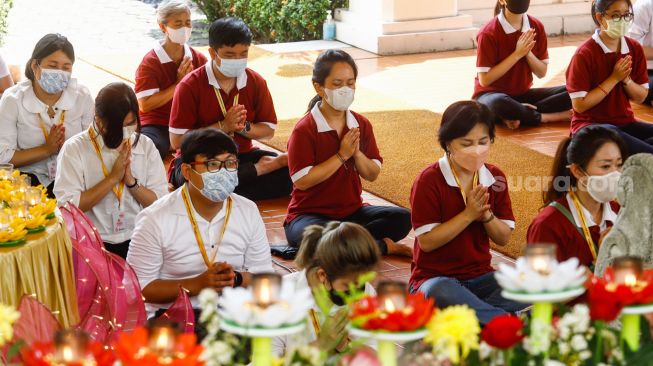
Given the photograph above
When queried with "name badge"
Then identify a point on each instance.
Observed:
(52, 168)
(121, 222)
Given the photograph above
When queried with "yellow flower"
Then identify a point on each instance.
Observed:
(454, 330)
(17, 231)
(49, 206)
(8, 315)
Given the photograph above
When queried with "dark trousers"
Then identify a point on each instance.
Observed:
(119, 249)
(637, 135)
(160, 136)
(546, 100)
(35, 182)
(381, 221)
(272, 185)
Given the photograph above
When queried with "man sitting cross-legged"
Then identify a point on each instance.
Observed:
(226, 95)
(202, 235)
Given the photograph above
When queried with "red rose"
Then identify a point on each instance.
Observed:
(503, 332)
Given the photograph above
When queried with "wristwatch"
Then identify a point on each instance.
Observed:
(244, 131)
(135, 185)
(238, 279)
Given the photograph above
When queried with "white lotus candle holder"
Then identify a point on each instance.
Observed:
(524, 278)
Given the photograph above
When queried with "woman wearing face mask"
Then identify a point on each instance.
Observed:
(162, 69)
(459, 203)
(40, 113)
(606, 73)
(511, 48)
(333, 256)
(580, 206)
(109, 170)
(329, 151)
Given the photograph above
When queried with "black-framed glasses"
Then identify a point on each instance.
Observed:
(213, 165)
(628, 17)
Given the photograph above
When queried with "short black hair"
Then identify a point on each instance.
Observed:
(49, 44)
(460, 118)
(112, 104)
(207, 142)
(229, 32)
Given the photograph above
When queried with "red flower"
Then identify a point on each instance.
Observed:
(604, 305)
(503, 332)
(132, 350)
(39, 353)
(367, 314)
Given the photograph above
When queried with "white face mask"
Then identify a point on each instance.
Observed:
(231, 68)
(340, 99)
(127, 131)
(181, 35)
(603, 188)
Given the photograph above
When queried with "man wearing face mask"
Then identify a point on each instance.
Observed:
(202, 235)
(580, 205)
(110, 171)
(162, 69)
(226, 95)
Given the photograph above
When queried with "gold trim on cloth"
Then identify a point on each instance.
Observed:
(43, 267)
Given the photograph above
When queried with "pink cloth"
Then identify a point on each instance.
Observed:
(108, 293)
(36, 322)
(181, 312)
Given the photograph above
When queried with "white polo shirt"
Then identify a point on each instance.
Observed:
(642, 28)
(20, 128)
(80, 169)
(164, 246)
(4, 70)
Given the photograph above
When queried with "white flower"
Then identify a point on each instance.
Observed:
(553, 363)
(521, 277)
(217, 353)
(584, 355)
(564, 348)
(207, 297)
(564, 332)
(484, 350)
(578, 343)
(538, 342)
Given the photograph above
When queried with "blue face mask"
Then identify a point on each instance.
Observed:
(218, 185)
(53, 81)
(231, 68)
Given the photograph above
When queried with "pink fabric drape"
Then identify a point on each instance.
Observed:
(181, 312)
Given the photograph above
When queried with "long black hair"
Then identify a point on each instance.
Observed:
(49, 44)
(112, 104)
(579, 150)
(601, 6)
(323, 66)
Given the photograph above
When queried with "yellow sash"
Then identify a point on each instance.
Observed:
(455, 176)
(44, 128)
(196, 230)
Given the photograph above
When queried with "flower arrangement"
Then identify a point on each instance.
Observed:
(453, 332)
(370, 313)
(159, 345)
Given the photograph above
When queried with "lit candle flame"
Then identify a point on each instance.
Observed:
(389, 305)
(162, 341)
(630, 280)
(541, 265)
(265, 294)
(68, 354)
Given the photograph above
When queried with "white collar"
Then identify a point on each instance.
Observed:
(34, 105)
(608, 214)
(509, 29)
(241, 80)
(599, 41)
(485, 177)
(321, 123)
(163, 55)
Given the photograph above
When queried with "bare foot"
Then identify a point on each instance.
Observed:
(268, 164)
(512, 124)
(564, 116)
(398, 249)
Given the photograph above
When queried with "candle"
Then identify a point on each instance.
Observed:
(5, 171)
(627, 270)
(33, 196)
(162, 339)
(22, 183)
(392, 296)
(5, 221)
(540, 257)
(266, 288)
(71, 347)
(21, 209)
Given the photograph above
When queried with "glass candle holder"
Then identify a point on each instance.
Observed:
(33, 196)
(22, 183)
(266, 288)
(162, 338)
(6, 170)
(5, 220)
(540, 257)
(392, 295)
(70, 347)
(627, 270)
(21, 209)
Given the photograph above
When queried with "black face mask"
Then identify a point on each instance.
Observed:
(335, 297)
(518, 6)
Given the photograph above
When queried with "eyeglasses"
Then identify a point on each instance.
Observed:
(628, 17)
(214, 165)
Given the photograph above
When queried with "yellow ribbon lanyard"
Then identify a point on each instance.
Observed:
(583, 221)
(44, 128)
(223, 108)
(455, 176)
(314, 320)
(196, 230)
(120, 188)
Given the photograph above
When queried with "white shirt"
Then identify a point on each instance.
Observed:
(284, 343)
(80, 170)
(608, 215)
(20, 128)
(164, 246)
(642, 28)
(4, 70)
